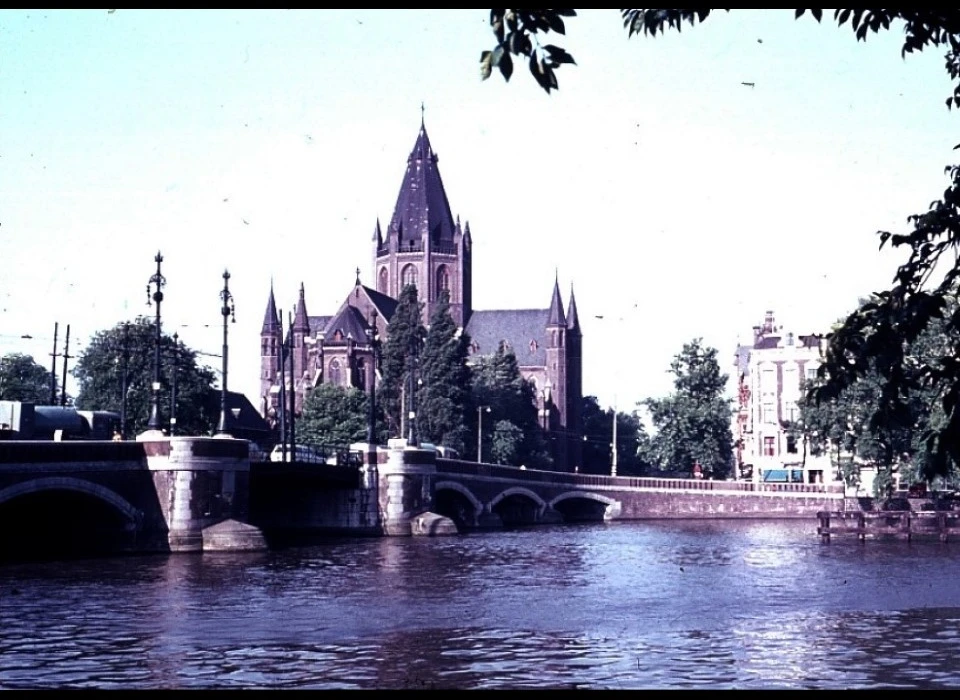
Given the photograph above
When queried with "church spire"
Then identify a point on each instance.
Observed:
(573, 321)
(301, 321)
(271, 320)
(556, 317)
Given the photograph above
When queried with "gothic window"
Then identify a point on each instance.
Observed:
(362, 374)
(335, 377)
(409, 275)
(382, 281)
(443, 279)
(533, 347)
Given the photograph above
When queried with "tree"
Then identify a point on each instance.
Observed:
(22, 379)
(693, 424)
(844, 420)
(498, 384)
(100, 373)
(401, 352)
(875, 336)
(632, 440)
(336, 416)
(442, 400)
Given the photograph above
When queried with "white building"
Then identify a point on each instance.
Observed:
(771, 373)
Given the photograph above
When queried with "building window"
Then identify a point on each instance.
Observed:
(769, 446)
(335, 377)
(409, 275)
(443, 279)
(769, 413)
(383, 280)
(811, 374)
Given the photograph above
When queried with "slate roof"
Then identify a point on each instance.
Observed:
(271, 319)
(422, 205)
(319, 323)
(349, 323)
(386, 305)
(518, 327)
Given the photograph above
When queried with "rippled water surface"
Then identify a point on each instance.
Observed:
(748, 604)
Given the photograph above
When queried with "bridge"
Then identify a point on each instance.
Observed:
(191, 494)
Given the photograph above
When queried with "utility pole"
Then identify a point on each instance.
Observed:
(53, 367)
(66, 357)
(613, 461)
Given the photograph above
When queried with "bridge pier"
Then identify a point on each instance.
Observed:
(202, 486)
(405, 492)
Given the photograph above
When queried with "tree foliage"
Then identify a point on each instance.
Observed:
(100, 370)
(518, 34)
(22, 379)
(443, 397)
(336, 416)
(693, 424)
(498, 385)
(875, 337)
(401, 352)
(632, 440)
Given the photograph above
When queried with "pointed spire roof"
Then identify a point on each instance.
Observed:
(377, 234)
(300, 321)
(422, 208)
(555, 316)
(271, 319)
(573, 320)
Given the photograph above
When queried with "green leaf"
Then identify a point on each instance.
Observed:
(506, 66)
(486, 66)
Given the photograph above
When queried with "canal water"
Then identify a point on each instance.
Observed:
(659, 605)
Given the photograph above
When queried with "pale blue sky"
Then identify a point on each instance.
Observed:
(668, 193)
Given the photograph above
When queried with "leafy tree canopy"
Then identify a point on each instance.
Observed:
(693, 424)
(22, 379)
(498, 385)
(130, 346)
(443, 397)
(405, 336)
(632, 440)
(336, 416)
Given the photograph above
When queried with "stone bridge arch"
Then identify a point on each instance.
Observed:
(511, 505)
(68, 483)
(62, 517)
(586, 505)
(465, 510)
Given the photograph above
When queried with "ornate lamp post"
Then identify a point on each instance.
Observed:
(374, 340)
(480, 411)
(227, 311)
(159, 282)
(173, 384)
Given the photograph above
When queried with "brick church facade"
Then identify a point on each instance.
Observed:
(425, 245)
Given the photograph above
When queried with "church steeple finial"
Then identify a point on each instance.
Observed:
(271, 319)
(555, 316)
(301, 322)
(358, 278)
(422, 110)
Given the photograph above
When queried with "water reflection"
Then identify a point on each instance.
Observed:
(639, 605)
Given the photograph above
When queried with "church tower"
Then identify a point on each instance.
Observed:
(269, 351)
(557, 406)
(300, 331)
(423, 244)
(574, 397)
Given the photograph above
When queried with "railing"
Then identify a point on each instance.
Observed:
(310, 453)
(898, 523)
(453, 466)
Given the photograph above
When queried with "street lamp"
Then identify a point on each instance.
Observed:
(374, 340)
(173, 383)
(159, 281)
(480, 411)
(227, 310)
(613, 444)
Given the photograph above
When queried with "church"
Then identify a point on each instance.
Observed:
(425, 245)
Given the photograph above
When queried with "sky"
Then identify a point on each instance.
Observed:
(681, 186)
